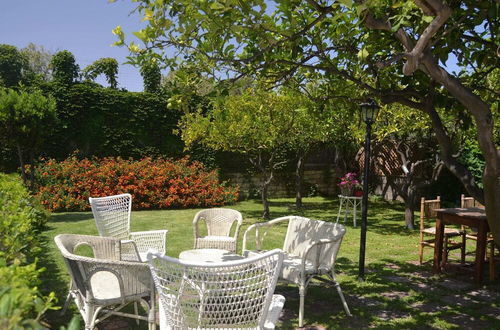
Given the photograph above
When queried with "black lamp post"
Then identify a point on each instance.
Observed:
(368, 114)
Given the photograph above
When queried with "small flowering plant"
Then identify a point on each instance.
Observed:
(348, 183)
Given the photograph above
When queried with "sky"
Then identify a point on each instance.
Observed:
(82, 27)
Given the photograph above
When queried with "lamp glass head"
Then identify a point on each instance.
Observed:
(369, 111)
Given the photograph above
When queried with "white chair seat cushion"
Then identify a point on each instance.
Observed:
(105, 285)
(291, 270)
(291, 267)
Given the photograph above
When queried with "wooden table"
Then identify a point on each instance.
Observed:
(472, 217)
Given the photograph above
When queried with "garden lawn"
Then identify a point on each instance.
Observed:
(397, 293)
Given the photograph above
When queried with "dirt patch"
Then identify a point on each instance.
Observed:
(394, 294)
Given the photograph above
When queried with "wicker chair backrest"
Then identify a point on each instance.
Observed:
(219, 221)
(112, 215)
(234, 294)
(302, 232)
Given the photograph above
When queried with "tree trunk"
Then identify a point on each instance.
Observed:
(484, 122)
(410, 210)
(299, 180)
(21, 163)
(32, 170)
(266, 181)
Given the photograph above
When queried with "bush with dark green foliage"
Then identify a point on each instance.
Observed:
(21, 220)
(107, 66)
(64, 67)
(151, 75)
(104, 122)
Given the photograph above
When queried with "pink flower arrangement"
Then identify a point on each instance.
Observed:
(348, 182)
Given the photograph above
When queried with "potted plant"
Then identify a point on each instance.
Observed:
(347, 184)
(358, 190)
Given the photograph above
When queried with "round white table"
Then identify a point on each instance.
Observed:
(349, 204)
(208, 255)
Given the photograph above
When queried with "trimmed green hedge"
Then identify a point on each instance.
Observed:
(105, 122)
(21, 220)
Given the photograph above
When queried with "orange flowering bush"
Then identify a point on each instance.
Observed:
(153, 183)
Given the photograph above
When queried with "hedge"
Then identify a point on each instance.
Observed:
(21, 220)
(154, 183)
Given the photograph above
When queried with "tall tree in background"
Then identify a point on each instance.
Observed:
(261, 125)
(64, 67)
(24, 121)
(38, 61)
(390, 49)
(12, 65)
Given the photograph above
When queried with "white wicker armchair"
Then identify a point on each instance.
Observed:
(104, 285)
(219, 222)
(310, 247)
(112, 218)
(226, 295)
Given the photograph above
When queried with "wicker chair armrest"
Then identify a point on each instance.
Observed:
(256, 227)
(152, 239)
(196, 220)
(239, 222)
(129, 251)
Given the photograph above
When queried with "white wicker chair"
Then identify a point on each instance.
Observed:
(104, 285)
(310, 247)
(219, 222)
(112, 218)
(226, 295)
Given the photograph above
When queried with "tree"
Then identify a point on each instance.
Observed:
(151, 75)
(12, 65)
(365, 42)
(38, 61)
(25, 118)
(64, 67)
(107, 66)
(261, 125)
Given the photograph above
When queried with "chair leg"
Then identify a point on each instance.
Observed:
(492, 261)
(445, 252)
(462, 249)
(302, 293)
(66, 304)
(342, 298)
(89, 317)
(421, 253)
(136, 310)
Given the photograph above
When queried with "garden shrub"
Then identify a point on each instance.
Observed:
(153, 183)
(21, 218)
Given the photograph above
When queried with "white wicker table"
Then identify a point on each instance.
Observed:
(208, 255)
(349, 204)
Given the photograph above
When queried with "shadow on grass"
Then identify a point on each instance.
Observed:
(53, 281)
(396, 295)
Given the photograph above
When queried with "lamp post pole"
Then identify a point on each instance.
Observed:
(364, 205)
(369, 112)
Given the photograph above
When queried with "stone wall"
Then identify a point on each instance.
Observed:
(319, 179)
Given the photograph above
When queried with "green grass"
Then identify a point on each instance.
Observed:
(397, 293)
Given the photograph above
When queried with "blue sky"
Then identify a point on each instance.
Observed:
(81, 26)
